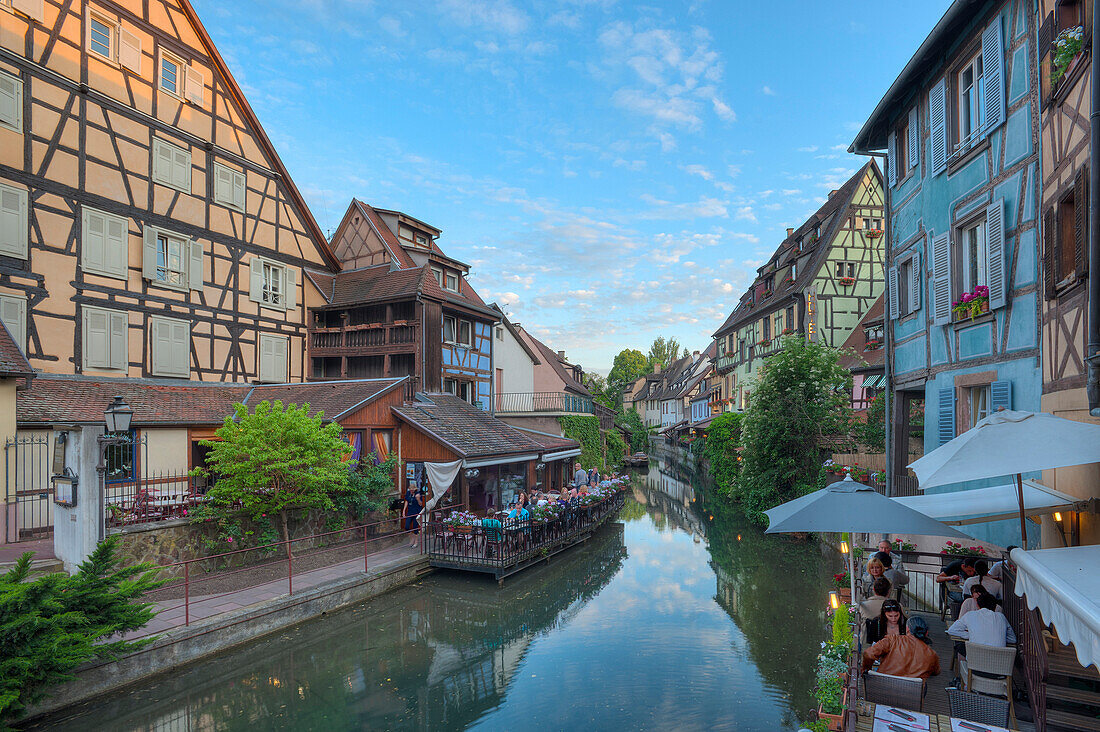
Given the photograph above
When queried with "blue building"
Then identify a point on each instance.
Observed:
(959, 128)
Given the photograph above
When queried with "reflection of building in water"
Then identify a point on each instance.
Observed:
(666, 494)
(726, 594)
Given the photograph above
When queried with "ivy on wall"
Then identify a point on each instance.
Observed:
(616, 448)
(585, 430)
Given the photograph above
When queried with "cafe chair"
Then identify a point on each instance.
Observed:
(898, 691)
(978, 707)
(996, 663)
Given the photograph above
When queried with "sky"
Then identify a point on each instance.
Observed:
(611, 171)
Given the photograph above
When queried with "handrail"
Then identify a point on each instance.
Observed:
(544, 401)
(1028, 627)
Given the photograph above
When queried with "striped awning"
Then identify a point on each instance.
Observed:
(875, 381)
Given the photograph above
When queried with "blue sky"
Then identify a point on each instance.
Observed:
(611, 171)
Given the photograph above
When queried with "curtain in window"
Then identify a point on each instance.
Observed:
(355, 439)
(381, 444)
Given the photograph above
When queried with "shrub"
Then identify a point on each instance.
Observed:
(54, 623)
(616, 448)
(632, 422)
(720, 450)
(585, 430)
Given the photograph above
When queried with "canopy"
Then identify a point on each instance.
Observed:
(441, 476)
(1064, 585)
(850, 506)
(1007, 443)
(989, 504)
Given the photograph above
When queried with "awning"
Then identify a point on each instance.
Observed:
(560, 454)
(1000, 502)
(875, 381)
(499, 460)
(673, 427)
(1064, 585)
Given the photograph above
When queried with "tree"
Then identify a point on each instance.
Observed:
(370, 486)
(632, 422)
(802, 395)
(602, 391)
(664, 352)
(872, 431)
(629, 366)
(274, 460)
(721, 450)
(54, 623)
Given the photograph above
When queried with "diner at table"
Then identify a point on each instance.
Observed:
(905, 653)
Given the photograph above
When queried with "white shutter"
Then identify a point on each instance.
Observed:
(181, 169)
(993, 75)
(892, 288)
(278, 359)
(13, 314)
(149, 253)
(95, 241)
(937, 126)
(914, 284)
(268, 366)
(32, 8)
(162, 161)
(290, 296)
(941, 279)
(96, 339)
(119, 343)
(159, 344)
(194, 82)
(129, 50)
(181, 348)
(11, 102)
(195, 274)
(117, 246)
(239, 190)
(891, 158)
(13, 222)
(171, 346)
(223, 184)
(912, 145)
(256, 280)
(995, 250)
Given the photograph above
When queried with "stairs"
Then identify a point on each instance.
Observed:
(1073, 692)
(38, 566)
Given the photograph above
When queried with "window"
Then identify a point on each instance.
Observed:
(229, 187)
(171, 269)
(450, 326)
(874, 333)
(971, 256)
(1065, 255)
(11, 102)
(171, 165)
(1067, 234)
(13, 314)
(794, 270)
(979, 403)
(766, 329)
(790, 317)
(846, 269)
(421, 240)
(172, 260)
(170, 343)
(872, 224)
(971, 99)
(904, 273)
(101, 36)
(500, 334)
(450, 281)
(272, 284)
(13, 221)
(465, 333)
(273, 358)
(105, 338)
(438, 275)
(1068, 15)
(104, 243)
(171, 74)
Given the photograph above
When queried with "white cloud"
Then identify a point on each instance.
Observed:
(391, 25)
(499, 16)
(808, 148)
(746, 213)
(698, 170)
(768, 91)
(723, 110)
(791, 191)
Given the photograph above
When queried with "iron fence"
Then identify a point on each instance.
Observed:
(134, 493)
(28, 489)
(544, 401)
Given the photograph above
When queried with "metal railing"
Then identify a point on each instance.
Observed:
(158, 497)
(27, 488)
(1028, 627)
(502, 545)
(543, 401)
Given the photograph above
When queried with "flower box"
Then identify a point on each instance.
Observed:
(847, 281)
(835, 721)
(874, 233)
(971, 304)
(872, 345)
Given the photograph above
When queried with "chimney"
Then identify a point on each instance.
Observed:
(832, 192)
(790, 230)
(695, 355)
(561, 355)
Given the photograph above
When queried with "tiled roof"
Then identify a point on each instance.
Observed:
(465, 429)
(12, 360)
(836, 203)
(54, 399)
(374, 284)
(550, 443)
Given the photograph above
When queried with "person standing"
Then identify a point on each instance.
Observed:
(580, 477)
(593, 476)
(414, 504)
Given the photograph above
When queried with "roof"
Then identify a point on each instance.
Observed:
(389, 238)
(59, 399)
(857, 341)
(464, 429)
(12, 360)
(787, 251)
(261, 135)
(548, 441)
(929, 55)
(516, 334)
(555, 363)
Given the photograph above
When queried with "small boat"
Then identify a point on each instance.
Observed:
(638, 459)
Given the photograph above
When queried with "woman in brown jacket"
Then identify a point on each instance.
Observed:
(905, 655)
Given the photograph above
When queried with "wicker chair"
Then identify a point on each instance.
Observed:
(898, 691)
(978, 707)
(997, 662)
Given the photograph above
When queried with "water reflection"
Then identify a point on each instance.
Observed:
(682, 615)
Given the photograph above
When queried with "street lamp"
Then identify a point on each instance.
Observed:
(118, 416)
(834, 600)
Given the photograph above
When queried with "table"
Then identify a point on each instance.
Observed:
(938, 723)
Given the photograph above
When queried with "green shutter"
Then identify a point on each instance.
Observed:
(290, 297)
(195, 273)
(13, 222)
(149, 253)
(118, 346)
(13, 314)
(256, 280)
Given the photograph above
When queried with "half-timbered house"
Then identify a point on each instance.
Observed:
(959, 127)
(400, 307)
(819, 283)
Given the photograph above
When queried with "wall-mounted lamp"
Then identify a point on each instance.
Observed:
(843, 547)
(834, 600)
(1058, 516)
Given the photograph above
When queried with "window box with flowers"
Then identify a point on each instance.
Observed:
(788, 331)
(847, 281)
(764, 343)
(766, 294)
(971, 304)
(874, 233)
(872, 345)
(1067, 50)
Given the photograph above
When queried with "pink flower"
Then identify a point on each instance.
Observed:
(230, 540)
(968, 297)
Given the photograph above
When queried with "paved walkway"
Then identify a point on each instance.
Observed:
(170, 613)
(42, 548)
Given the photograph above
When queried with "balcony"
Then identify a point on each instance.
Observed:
(377, 337)
(727, 362)
(547, 403)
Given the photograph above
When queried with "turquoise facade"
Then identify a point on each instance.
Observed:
(473, 364)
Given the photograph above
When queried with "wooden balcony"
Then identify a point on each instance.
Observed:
(371, 337)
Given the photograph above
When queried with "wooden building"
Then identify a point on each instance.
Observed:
(400, 307)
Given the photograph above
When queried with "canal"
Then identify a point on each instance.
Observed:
(681, 615)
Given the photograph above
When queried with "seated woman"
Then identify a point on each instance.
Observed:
(971, 603)
(891, 621)
(875, 569)
(905, 654)
(981, 577)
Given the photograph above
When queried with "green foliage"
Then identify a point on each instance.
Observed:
(632, 422)
(52, 624)
(370, 486)
(585, 430)
(872, 432)
(629, 366)
(723, 439)
(802, 394)
(842, 629)
(273, 461)
(663, 352)
(616, 448)
(603, 393)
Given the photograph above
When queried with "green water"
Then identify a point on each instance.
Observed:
(680, 616)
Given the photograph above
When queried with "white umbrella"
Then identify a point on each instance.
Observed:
(850, 506)
(1010, 443)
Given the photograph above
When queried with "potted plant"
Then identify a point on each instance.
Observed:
(874, 233)
(843, 583)
(907, 549)
(832, 698)
(952, 550)
(461, 522)
(873, 345)
(1067, 49)
(847, 281)
(971, 304)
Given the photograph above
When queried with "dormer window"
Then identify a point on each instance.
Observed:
(413, 237)
(450, 281)
(421, 240)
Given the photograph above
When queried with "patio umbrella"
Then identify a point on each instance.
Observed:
(850, 506)
(1010, 443)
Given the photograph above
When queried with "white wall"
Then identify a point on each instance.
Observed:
(508, 354)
